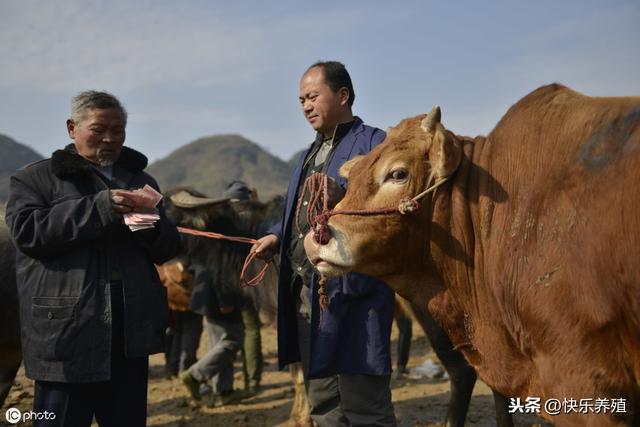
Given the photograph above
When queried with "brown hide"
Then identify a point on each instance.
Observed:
(529, 255)
(178, 281)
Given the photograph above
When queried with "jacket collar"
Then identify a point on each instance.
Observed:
(67, 162)
(355, 126)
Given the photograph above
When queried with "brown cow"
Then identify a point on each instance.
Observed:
(528, 252)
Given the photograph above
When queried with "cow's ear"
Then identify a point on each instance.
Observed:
(445, 153)
(346, 167)
(432, 119)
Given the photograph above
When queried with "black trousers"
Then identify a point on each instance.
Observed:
(119, 402)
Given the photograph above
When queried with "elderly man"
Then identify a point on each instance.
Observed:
(91, 305)
(346, 357)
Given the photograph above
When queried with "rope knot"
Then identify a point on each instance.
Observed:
(321, 227)
(318, 212)
(408, 205)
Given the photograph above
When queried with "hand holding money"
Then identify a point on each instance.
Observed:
(145, 197)
(142, 203)
(121, 202)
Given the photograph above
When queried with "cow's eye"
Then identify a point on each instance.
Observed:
(398, 175)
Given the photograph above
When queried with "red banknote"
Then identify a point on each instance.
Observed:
(144, 214)
(145, 197)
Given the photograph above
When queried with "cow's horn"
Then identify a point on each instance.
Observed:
(433, 118)
(184, 199)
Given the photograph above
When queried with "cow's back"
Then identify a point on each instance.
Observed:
(557, 138)
(560, 231)
(559, 172)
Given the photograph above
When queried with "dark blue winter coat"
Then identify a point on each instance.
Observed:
(353, 337)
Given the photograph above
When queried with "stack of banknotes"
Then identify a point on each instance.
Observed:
(144, 214)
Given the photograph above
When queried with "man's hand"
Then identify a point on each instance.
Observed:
(266, 247)
(120, 202)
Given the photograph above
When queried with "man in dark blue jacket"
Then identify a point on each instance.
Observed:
(92, 307)
(346, 356)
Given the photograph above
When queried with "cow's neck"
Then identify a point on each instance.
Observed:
(456, 248)
(467, 308)
(452, 242)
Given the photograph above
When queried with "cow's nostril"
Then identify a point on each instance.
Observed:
(321, 234)
(324, 238)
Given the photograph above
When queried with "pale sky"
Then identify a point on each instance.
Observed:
(188, 69)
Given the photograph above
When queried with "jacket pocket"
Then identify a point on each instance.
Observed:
(53, 327)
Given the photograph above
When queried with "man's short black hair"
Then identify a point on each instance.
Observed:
(337, 77)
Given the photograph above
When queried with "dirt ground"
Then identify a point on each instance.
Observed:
(418, 403)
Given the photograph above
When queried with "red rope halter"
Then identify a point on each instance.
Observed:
(318, 214)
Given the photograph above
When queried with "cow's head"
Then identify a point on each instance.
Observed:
(418, 152)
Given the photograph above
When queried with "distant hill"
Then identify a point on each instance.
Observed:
(293, 161)
(209, 164)
(13, 156)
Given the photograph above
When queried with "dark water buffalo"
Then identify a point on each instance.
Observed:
(191, 209)
(10, 353)
(528, 251)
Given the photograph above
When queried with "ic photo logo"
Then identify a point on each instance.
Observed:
(13, 415)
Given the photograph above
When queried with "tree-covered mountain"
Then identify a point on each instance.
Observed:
(209, 164)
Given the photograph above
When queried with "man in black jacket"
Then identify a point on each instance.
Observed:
(91, 305)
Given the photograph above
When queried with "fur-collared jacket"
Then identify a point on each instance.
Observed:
(70, 241)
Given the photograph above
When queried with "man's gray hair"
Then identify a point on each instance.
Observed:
(91, 99)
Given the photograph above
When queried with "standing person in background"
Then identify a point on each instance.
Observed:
(220, 306)
(92, 307)
(347, 370)
(252, 362)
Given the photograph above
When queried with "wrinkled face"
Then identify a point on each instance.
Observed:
(415, 154)
(99, 136)
(322, 107)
